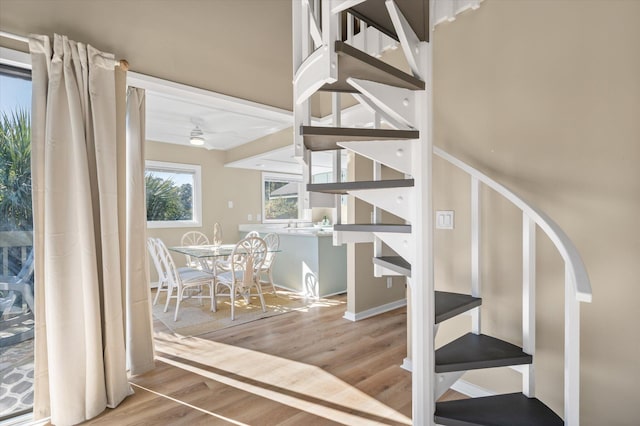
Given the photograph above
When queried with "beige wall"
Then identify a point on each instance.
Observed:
(545, 97)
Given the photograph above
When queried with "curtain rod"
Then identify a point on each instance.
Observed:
(122, 63)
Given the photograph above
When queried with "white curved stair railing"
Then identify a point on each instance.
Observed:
(577, 284)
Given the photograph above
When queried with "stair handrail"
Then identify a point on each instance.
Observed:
(564, 245)
(577, 287)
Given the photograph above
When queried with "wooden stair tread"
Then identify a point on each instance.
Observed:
(375, 14)
(394, 263)
(373, 227)
(472, 352)
(345, 187)
(449, 305)
(497, 410)
(357, 64)
(326, 138)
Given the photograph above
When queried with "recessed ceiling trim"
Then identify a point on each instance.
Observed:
(226, 121)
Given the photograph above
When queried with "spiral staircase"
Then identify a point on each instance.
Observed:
(326, 59)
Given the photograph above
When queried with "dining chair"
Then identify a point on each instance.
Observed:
(163, 281)
(193, 238)
(272, 241)
(222, 265)
(246, 259)
(183, 280)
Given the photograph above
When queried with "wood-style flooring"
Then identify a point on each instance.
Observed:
(309, 367)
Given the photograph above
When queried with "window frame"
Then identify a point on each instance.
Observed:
(283, 177)
(196, 169)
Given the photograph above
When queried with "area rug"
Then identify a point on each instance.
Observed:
(195, 319)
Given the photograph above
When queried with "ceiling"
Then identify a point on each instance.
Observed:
(230, 61)
(173, 110)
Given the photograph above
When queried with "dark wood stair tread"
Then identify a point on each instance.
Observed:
(375, 13)
(394, 263)
(471, 352)
(373, 227)
(498, 410)
(449, 305)
(326, 138)
(345, 187)
(355, 63)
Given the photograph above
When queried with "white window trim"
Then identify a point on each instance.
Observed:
(197, 194)
(287, 177)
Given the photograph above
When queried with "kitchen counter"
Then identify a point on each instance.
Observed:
(308, 262)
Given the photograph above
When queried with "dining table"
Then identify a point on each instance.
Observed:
(207, 252)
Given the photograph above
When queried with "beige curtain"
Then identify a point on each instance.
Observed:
(140, 356)
(80, 359)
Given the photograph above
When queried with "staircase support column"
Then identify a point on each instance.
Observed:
(422, 288)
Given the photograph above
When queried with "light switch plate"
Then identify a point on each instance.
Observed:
(444, 219)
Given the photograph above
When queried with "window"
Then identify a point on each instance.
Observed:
(281, 197)
(16, 241)
(173, 193)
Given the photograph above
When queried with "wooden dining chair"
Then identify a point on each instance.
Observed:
(245, 262)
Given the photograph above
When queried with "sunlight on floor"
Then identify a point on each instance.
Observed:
(301, 386)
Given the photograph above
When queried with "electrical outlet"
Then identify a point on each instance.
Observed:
(230, 204)
(249, 217)
(444, 219)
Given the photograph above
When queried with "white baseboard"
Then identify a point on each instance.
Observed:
(469, 389)
(375, 311)
(407, 364)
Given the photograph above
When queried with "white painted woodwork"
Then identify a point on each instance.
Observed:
(374, 46)
(337, 156)
(476, 283)
(571, 352)
(528, 301)
(397, 154)
(444, 381)
(398, 103)
(400, 243)
(446, 10)
(397, 201)
(314, 26)
(409, 41)
(579, 277)
(312, 74)
(374, 109)
(338, 6)
(377, 213)
(346, 237)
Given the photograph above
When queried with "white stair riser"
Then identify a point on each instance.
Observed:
(444, 381)
(396, 154)
(374, 109)
(397, 103)
(400, 243)
(345, 237)
(397, 201)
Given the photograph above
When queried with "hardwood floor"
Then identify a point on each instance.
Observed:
(310, 367)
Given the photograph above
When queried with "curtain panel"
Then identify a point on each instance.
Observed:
(81, 297)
